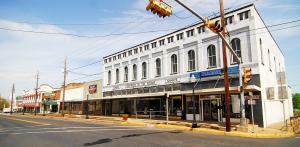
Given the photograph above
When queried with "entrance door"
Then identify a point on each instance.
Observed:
(210, 110)
(107, 108)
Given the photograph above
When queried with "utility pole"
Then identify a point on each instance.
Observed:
(36, 92)
(12, 98)
(64, 89)
(87, 107)
(226, 80)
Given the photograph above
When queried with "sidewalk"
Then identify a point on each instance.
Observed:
(206, 128)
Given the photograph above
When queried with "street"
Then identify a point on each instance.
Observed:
(16, 131)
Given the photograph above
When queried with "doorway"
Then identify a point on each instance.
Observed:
(210, 109)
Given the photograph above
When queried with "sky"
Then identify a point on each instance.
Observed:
(84, 31)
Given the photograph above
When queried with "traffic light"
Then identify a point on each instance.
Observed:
(159, 7)
(213, 25)
(247, 75)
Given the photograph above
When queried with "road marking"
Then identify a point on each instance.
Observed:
(23, 120)
(23, 127)
(69, 131)
(63, 128)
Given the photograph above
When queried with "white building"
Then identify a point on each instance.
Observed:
(139, 78)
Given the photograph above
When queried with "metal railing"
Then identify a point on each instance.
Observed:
(150, 114)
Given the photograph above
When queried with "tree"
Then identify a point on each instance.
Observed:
(2, 102)
(296, 100)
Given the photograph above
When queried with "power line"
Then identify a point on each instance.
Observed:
(284, 23)
(166, 56)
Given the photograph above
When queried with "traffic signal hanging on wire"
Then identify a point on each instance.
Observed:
(159, 7)
(247, 75)
(214, 26)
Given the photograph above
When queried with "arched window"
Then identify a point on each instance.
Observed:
(211, 54)
(134, 72)
(144, 70)
(158, 67)
(109, 78)
(191, 60)
(261, 51)
(173, 64)
(236, 46)
(126, 74)
(117, 76)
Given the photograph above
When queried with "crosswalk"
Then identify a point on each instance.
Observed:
(52, 129)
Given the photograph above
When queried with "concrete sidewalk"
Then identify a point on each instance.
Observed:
(207, 128)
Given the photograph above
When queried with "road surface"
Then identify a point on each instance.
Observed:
(19, 131)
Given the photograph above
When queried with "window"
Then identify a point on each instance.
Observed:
(211, 54)
(105, 61)
(144, 70)
(247, 14)
(134, 70)
(170, 39)
(241, 16)
(109, 59)
(117, 76)
(114, 58)
(153, 45)
(158, 67)
(119, 56)
(173, 64)
(191, 60)
(130, 53)
(124, 54)
(141, 49)
(179, 36)
(269, 56)
(261, 51)
(201, 29)
(146, 47)
(162, 42)
(109, 78)
(244, 15)
(135, 51)
(190, 33)
(228, 20)
(126, 74)
(236, 46)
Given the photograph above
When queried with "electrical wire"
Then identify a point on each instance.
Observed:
(274, 25)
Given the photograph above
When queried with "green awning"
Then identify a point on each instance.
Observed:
(49, 102)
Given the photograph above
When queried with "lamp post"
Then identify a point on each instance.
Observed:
(193, 80)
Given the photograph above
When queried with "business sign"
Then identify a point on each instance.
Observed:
(93, 89)
(49, 94)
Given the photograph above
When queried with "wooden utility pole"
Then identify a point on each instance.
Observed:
(226, 80)
(12, 99)
(64, 89)
(36, 92)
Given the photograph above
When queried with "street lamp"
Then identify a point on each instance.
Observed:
(193, 80)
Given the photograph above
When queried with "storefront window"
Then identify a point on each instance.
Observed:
(189, 103)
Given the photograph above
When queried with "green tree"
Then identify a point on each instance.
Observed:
(2, 102)
(296, 100)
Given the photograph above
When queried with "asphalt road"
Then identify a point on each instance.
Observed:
(18, 131)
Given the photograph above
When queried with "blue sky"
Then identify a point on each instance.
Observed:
(23, 54)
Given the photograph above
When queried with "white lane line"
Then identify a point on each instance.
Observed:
(70, 131)
(64, 128)
(24, 127)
